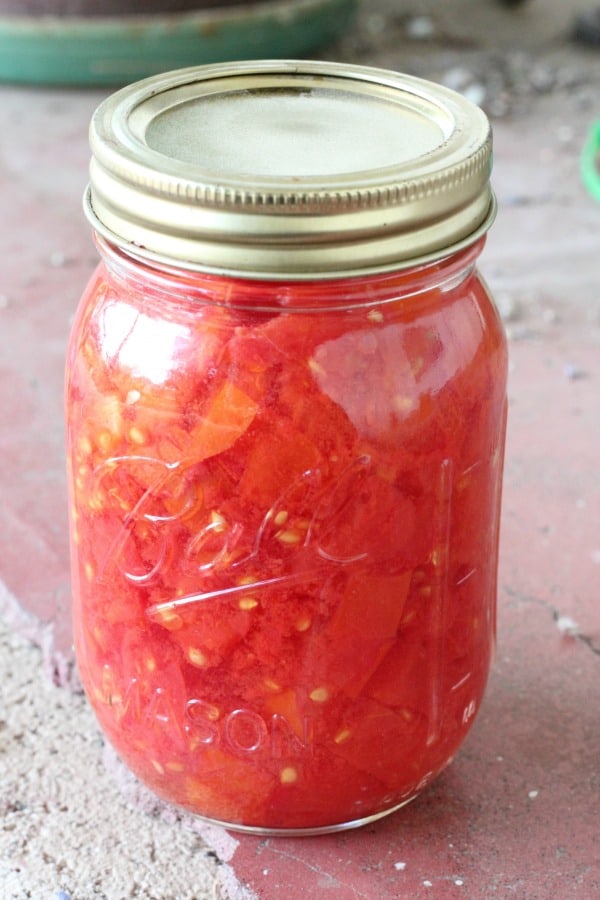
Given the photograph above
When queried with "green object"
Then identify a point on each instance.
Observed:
(115, 50)
(590, 162)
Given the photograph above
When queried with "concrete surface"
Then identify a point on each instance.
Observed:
(516, 815)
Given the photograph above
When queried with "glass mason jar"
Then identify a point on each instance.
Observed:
(285, 421)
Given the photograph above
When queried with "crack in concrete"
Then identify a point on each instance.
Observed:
(314, 868)
(571, 630)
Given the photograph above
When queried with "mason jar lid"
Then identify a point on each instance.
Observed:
(289, 169)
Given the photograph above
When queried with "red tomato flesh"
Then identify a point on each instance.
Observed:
(284, 531)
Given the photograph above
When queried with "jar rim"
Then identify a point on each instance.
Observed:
(349, 291)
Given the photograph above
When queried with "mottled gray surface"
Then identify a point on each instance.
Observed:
(67, 825)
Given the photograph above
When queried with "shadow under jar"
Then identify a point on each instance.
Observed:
(286, 410)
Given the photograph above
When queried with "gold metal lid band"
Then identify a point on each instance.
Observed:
(289, 169)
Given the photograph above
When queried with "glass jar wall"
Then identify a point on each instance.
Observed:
(285, 500)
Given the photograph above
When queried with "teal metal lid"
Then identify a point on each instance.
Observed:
(114, 50)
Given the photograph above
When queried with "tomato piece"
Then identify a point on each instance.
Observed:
(274, 463)
(204, 629)
(364, 517)
(379, 734)
(372, 605)
(218, 781)
(229, 415)
(362, 628)
(295, 335)
(398, 680)
(284, 704)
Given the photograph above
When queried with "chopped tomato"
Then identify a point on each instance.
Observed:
(284, 531)
(229, 415)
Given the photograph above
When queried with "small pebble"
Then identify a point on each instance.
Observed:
(542, 79)
(420, 28)
(532, 794)
(400, 866)
(518, 200)
(567, 625)
(550, 316)
(572, 372)
(376, 25)
(499, 106)
(508, 307)
(58, 259)
(587, 28)
(521, 333)
(457, 77)
(476, 93)
(463, 80)
(565, 134)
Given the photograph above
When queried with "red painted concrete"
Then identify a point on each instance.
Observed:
(516, 815)
(47, 255)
